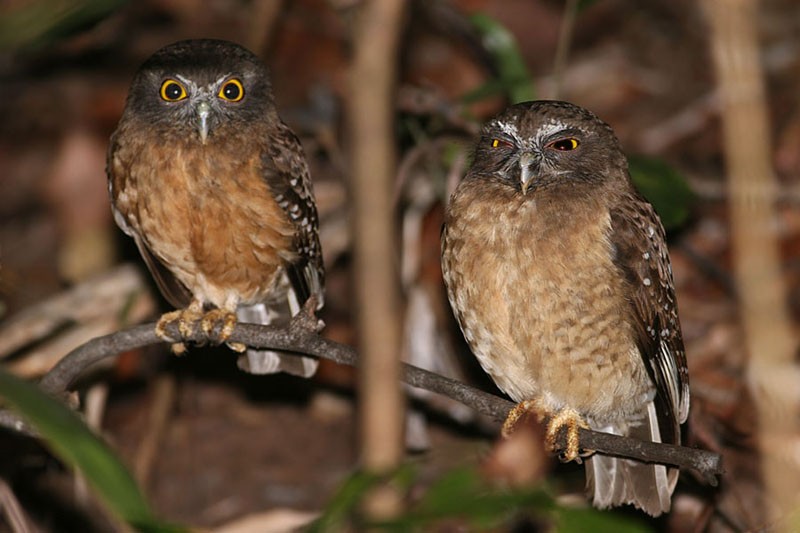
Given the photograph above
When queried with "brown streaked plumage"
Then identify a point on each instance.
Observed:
(215, 190)
(558, 274)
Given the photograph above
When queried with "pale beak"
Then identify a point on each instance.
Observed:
(203, 112)
(526, 173)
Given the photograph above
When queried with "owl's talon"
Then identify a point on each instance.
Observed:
(570, 420)
(178, 348)
(238, 347)
(218, 318)
(567, 418)
(517, 413)
(186, 320)
(163, 322)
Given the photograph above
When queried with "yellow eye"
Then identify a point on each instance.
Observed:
(172, 91)
(231, 90)
(498, 142)
(565, 145)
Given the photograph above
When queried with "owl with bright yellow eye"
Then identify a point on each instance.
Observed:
(215, 190)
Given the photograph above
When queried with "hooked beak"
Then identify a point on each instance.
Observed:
(527, 161)
(203, 112)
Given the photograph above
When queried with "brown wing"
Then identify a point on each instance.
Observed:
(639, 243)
(285, 170)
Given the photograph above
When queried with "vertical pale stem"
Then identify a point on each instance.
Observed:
(772, 372)
(371, 120)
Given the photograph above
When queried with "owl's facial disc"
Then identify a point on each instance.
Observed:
(202, 106)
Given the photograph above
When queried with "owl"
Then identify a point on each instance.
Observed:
(558, 274)
(215, 190)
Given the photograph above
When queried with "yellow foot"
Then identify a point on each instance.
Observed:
(186, 319)
(217, 324)
(219, 320)
(519, 411)
(566, 418)
(573, 422)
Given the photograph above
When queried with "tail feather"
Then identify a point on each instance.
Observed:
(271, 361)
(611, 481)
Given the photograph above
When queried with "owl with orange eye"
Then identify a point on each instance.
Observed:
(559, 276)
(215, 190)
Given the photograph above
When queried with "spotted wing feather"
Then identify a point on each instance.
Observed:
(639, 243)
(286, 173)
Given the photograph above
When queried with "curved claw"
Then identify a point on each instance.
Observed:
(185, 318)
(217, 324)
(518, 413)
(572, 421)
(566, 418)
(224, 321)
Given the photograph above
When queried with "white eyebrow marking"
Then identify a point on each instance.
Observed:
(550, 128)
(189, 83)
(219, 80)
(509, 129)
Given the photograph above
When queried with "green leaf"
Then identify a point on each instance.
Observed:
(514, 79)
(76, 445)
(37, 23)
(664, 187)
(596, 521)
(585, 4)
(463, 494)
(344, 506)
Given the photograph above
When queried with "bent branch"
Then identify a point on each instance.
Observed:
(301, 337)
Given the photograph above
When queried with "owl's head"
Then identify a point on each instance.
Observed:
(195, 86)
(535, 145)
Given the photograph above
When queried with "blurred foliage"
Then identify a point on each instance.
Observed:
(73, 442)
(513, 78)
(585, 4)
(664, 187)
(32, 24)
(463, 497)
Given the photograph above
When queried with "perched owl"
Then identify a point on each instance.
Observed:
(215, 190)
(558, 274)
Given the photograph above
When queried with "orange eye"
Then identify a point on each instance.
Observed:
(172, 91)
(565, 145)
(231, 90)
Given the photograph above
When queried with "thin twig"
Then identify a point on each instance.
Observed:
(12, 511)
(164, 392)
(301, 337)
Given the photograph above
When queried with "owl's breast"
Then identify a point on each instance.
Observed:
(540, 302)
(206, 213)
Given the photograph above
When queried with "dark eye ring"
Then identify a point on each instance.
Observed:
(172, 91)
(565, 145)
(232, 90)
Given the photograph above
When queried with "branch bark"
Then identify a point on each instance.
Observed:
(301, 338)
